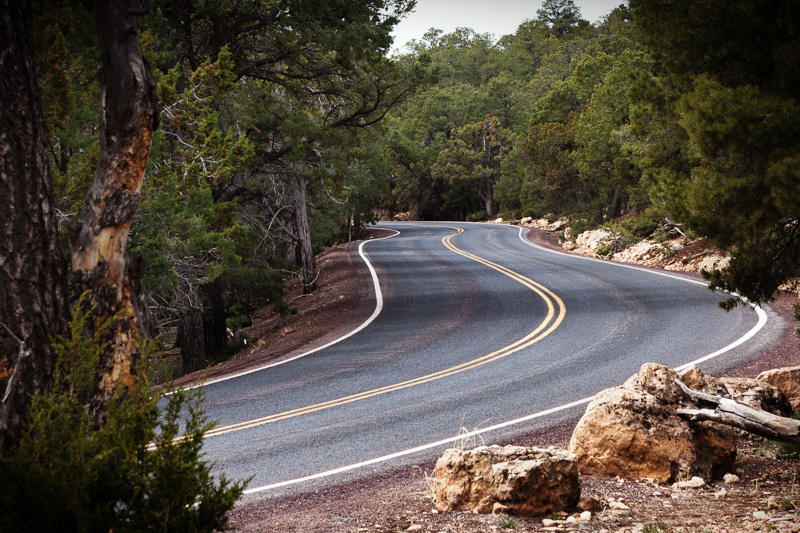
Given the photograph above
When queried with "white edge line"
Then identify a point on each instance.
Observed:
(378, 308)
(419, 448)
(762, 320)
(762, 315)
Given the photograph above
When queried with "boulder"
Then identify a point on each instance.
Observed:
(643, 252)
(633, 431)
(787, 380)
(714, 262)
(528, 481)
(592, 240)
(757, 394)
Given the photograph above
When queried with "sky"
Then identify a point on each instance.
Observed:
(499, 17)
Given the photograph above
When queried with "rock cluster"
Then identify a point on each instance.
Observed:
(545, 224)
(524, 481)
(633, 430)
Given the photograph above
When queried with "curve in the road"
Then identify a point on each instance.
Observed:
(556, 310)
(762, 316)
(367, 322)
(762, 320)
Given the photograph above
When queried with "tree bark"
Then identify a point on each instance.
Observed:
(486, 191)
(308, 263)
(99, 234)
(215, 328)
(193, 348)
(33, 302)
(736, 414)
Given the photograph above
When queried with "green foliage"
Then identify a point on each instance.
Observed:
(718, 131)
(187, 239)
(745, 145)
(130, 474)
(539, 175)
(507, 522)
(645, 224)
(579, 225)
(620, 239)
(475, 156)
(657, 527)
(562, 17)
(67, 58)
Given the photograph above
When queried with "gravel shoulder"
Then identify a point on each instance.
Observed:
(401, 501)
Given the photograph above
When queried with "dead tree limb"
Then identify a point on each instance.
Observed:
(736, 414)
(695, 256)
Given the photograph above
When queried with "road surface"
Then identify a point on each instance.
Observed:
(475, 330)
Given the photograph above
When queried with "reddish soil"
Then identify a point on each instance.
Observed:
(401, 501)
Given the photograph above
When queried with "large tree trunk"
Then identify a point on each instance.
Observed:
(308, 263)
(33, 303)
(193, 348)
(486, 191)
(99, 234)
(216, 330)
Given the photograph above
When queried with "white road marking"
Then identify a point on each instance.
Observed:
(762, 315)
(761, 322)
(378, 308)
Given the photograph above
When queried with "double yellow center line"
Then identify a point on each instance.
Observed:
(555, 315)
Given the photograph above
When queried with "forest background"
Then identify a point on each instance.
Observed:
(284, 127)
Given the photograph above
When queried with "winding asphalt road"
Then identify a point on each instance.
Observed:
(474, 328)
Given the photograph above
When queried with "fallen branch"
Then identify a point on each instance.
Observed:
(736, 414)
(695, 256)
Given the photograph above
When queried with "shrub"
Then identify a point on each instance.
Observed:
(129, 474)
(644, 224)
(620, 239)
(579, 225)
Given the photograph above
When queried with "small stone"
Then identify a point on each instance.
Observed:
(499, 508)
(585, 516)
(720, 493)
(694, 483)
(588, 503)
(618, 506)
(414, 527)
(760, 515)
(730, 479)
(434, 511)
(546, 522)
(571, 521)
(772, 503)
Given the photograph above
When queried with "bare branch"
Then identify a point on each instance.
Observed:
(739, 415)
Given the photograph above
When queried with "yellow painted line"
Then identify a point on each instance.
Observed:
(551, 321)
